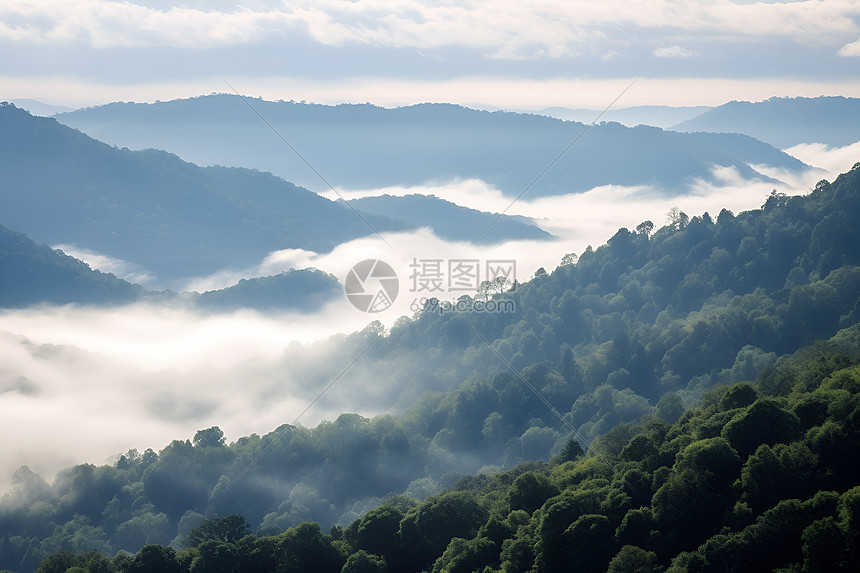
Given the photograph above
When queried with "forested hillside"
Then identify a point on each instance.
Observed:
(31, 273)
(649, 323)
(760, 477)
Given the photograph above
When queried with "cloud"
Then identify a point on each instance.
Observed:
(503, 29)
(851, 50)
(674, 52)
(83, 384)
(833, 160)
(123, 269)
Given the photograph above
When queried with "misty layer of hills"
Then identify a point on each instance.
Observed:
(176, 219)
(630, 333)
(451, 221)
(784, 122)
(657, 115)
(32, 274)
(367, 147)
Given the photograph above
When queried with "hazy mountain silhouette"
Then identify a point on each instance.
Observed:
(304, 289)
(784, 122)
(37, 107)
(365, 146)
(663, 116)
(149, 207)
(32, 273)
(451, 221)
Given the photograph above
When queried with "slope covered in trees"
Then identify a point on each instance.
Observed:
(760, 477)
(644, 325)
(31, 273)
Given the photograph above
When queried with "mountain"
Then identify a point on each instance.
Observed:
(36, 107)
(303, 290)
(656, 115)
(784, 122)
(32, 273)
(450, 221)
(603, 354)
(170, 217)
(365, 147)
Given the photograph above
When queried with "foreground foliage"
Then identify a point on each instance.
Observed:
(760, 477)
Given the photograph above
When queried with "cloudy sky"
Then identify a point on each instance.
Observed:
(502, 53)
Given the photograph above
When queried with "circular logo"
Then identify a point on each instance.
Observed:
(371, 285)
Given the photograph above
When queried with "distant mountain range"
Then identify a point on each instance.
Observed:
(173, 218)
(663, 116)
(784, 122)
(37, 107)
(368, 147)
(33, 273)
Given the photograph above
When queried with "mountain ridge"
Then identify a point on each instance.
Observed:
(784, 122)
(362, 146)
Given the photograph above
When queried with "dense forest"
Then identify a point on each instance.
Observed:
(603, 354)
(760, 477)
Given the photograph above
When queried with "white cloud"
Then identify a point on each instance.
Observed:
(123, 269)
(674, 52)
(852, 49)
(833, 160)
(505, 28)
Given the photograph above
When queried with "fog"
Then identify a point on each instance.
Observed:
(82, 384)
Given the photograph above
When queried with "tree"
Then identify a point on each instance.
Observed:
(154, 559)
(645, 228)
(210, 438)
(569, 259)
(632, 559)
(824, 546)
(697, 492)
(677, 219)
(764, 422)
(305, 548)
(530, 490)
(364, 562)
(228, 529)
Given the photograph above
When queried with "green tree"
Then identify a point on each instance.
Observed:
(364, 562)
(228, 529)
(154, 559)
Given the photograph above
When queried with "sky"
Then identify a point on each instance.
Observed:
(499, 54)
(154, 374)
